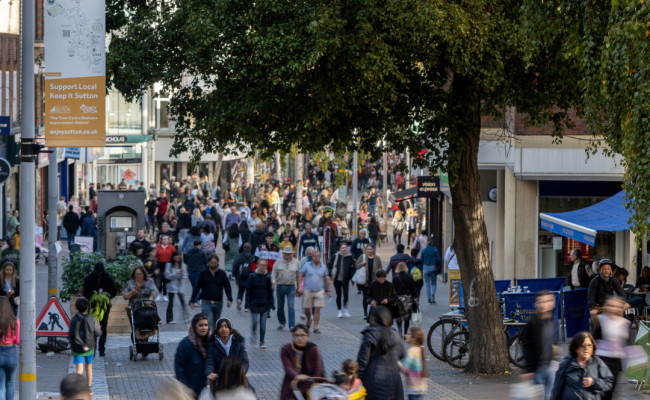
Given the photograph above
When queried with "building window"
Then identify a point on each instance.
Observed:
(123, 118)
(162, 113)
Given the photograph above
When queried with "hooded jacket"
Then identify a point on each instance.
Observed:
(189, 364)
(217, 355)
(380, 372)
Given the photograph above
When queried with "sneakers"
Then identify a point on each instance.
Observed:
(238, 305)
(165, 298)
(340, 314)
(262, 345)
(159, 297)
(430, 302)
(281, 327)
(346, 314)
(317, 331)
(171, 322)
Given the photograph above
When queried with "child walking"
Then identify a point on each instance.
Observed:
(348, 380)
(414, 365)
(83, 334)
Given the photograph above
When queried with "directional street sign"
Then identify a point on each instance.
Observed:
(52, 321)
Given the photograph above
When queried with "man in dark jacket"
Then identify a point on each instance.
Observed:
(141, 239)
(259, 299)
(398, 258)
(603, 286)
(538, 339)
(241, 270)
(212, 283)
(581, 273)
(257, 237)
(101, 282)
(196, 261)
(307, 239)
(184, 223)
(71, 223)
(359, 245)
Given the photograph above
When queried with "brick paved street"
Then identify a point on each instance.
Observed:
(339, 340)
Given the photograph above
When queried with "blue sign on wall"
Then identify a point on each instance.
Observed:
(73, 152)
(5, 125)
(576, 311)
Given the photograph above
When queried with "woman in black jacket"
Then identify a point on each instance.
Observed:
(226, 342)
(406, 298)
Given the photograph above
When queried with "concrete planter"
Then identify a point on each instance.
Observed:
(118, 321)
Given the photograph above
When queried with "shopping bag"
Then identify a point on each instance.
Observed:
(360, 276)
(416, 319)
(526, 390)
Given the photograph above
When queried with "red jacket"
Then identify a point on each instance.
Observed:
(164, 256)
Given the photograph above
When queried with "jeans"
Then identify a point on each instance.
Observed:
(170, 305)
(212, 310)
(240, 292)
(262, 320)
(545, 376)
(341, 287)
(70, 239)
(371, 209)
(8, 367)
(289, 291)
(415, 396)
(430, 280)
(194, 279)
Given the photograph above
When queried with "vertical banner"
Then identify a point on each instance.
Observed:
(75, 73)
(576, 311)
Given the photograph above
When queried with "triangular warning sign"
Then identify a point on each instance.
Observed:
(52, 321)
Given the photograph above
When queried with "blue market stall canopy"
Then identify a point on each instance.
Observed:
(582, 225)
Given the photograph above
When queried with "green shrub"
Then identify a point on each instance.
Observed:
(76, 270)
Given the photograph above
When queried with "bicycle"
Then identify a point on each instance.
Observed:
(447, 325)
(456, 349)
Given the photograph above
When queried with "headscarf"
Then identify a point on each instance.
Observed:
(200, 345)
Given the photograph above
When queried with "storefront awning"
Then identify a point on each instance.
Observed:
(405, 194)
(582, 225)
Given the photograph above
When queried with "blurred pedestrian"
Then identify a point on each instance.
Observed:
(301, 360)
(539, 336)
(10, 285)
(9, 339)
(73, 387)
(381, 349)
(414, 365)
(232, 383)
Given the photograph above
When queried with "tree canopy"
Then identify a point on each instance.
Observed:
(609, 42)
(264, 75)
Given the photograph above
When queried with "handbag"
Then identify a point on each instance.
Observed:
(360, 277)
(404, 304)
(416, 319)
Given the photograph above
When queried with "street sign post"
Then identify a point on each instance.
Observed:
(5, 125)
(5, 170)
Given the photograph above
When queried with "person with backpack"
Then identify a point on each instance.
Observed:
(432, 266)
(241, 270)
(286, 277)
(83, 334)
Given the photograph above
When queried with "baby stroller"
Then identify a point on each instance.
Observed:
(145, 334)
(323, 391)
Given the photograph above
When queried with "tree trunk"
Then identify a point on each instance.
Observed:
(488, 352)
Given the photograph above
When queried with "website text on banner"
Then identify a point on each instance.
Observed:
(75, 73)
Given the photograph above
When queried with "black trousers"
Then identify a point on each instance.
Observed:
(341, 287)
(170, 305)
(364, 292)
(104, 326)
(614, 365)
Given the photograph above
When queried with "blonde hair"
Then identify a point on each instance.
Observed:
(197, 214)
(172, 389)
(417, 335)
(401, 267)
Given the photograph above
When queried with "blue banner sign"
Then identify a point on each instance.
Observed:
(500, 285)
(5, 125)
(526, 304)
(576, 311)
(536, 285)
(73, 152)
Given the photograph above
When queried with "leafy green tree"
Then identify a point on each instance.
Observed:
(265, 75)
(609, 42)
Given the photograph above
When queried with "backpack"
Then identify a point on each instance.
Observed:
(82, 338)
(245, 268)
(416, 274)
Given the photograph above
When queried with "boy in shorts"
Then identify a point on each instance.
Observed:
(83, 334)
